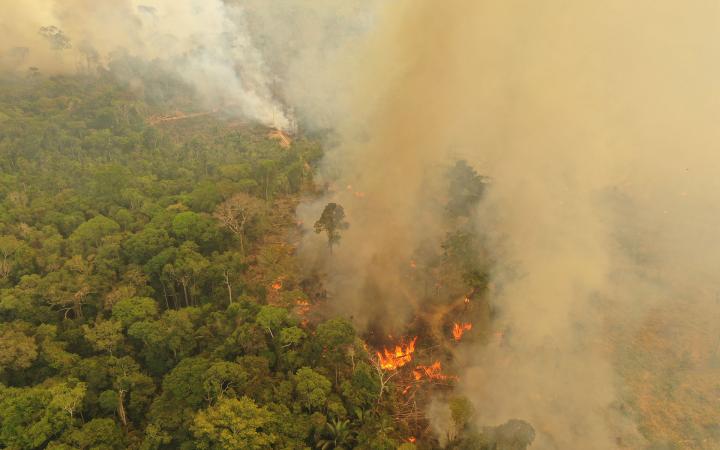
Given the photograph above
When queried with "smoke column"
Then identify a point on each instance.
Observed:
(596, 123)
(207, 44)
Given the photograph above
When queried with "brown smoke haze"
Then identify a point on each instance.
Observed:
(597, 123)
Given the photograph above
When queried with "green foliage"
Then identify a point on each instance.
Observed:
(291, 336)
(331, 221)
(337, 435)
(185, 383)
(312, 388)
(134, 269)
(233, 423)
(146, 243)
(104, 335)
(225, 379)
(465, 190)
(463, 250)
(336, 334)
(271, 318)
(108, 401)
(461, 411)
(30, 417)
(17, 350)
(100, 434)
(89, 235)
(131, 310)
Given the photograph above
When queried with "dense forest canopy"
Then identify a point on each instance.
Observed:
(149, 293)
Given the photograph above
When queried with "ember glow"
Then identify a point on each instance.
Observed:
(282, 138)
(277, 285)
(431, 372)
(392, 359)
(459, 329)
(302, 306)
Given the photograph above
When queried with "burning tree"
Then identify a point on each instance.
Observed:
(391, 359)
(459, 329)
(331, 222)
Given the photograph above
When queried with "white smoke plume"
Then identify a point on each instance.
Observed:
(207, 44)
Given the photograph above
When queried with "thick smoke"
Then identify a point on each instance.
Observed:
(595, 121)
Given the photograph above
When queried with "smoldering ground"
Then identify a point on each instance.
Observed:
(595, 121)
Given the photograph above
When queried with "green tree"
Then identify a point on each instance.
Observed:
(336, 337)
(331, 221)
(336, 435)
(148, 242)
(462, 250)
(187, 270)
(312, 388)
(461, 412)
(514, 435)
(465, 190)
(97, 434)
(199, 228)
(224, 379)
(10, 252)
(233, 423)
(271, 318)
(167, 340)
(186, 381)
(104, 335)
(30, 417)
(131, 310)
(17, 350)
(89, 235)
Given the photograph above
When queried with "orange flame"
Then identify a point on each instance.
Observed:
(277, 285)
(302, 306)
(411, 439)
(459, 329)
(431, 372)
(393, 359)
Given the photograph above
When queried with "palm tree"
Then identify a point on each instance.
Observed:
(338, 435)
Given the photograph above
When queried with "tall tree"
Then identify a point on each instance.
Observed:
(465, 191)
(237, 212)
(332, 221)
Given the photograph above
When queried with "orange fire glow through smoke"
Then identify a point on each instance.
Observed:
(459, 329)
(431, 372)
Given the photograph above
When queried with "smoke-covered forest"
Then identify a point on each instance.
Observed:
(486, 225)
